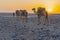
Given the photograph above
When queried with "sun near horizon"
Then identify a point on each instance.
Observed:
(52, 6)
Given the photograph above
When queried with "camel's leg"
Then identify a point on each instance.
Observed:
(39, 20)
(23, 19)
(46, 20)
(17, 17)
(26, 19)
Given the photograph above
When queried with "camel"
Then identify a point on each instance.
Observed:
(22, 13)
(41, 12)
(17, 13)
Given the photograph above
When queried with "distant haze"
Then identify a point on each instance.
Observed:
(52, 6)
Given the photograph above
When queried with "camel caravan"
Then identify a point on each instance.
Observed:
(22, 14)
(40, 12)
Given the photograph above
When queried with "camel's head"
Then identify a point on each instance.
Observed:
(17, 11)
(33, 9)
(40, 9)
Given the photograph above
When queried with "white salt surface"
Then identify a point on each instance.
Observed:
(12, 28)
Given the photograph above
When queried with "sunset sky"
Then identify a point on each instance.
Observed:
(52, 6)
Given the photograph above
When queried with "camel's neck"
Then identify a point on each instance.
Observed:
(35, 12)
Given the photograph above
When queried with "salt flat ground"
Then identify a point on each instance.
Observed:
(13, 28)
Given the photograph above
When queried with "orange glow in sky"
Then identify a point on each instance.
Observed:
(52, 6)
